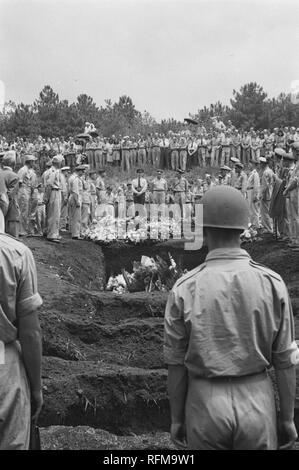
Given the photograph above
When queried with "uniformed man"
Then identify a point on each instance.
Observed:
(266, 193)
(141, 153)
(241, 179)
(93, 193)
(12, 216)
(126, 154)
(53, 199)
(139, 187)
(160, 188)
(21, 396)
(86, 201)
(253, 193)
(292, 190)
(225, 149)
(220, 342)
(183, 152)
(64, 198)
(180, 189)
(75, 201)
(225, 175)
(246, 148)
(174, 152)
(27, 181)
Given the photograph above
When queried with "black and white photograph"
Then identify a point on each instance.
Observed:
(149, 227)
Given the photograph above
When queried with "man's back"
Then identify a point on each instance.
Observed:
(233, 314)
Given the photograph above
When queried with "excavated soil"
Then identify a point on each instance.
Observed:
(103, 372)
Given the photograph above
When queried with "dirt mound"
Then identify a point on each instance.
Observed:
(84, 437)
(103, 364)
(118, 399)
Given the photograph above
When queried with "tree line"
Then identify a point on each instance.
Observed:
(49, 116)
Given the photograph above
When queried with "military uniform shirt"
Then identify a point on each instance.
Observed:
(229, 317)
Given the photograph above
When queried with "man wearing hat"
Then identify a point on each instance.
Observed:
(100, 190)
(86, 200)
(160, 188)
(219, 342)
(27, 181)
(180, 189)
(125, 153)
(75, 201)
(241, 179)
(253, 192)
(278, 207)
(292, 191)
(12, 217)
(129, 195)
(53, 198)
(139, 187)
(225, 175)
(64, 200)
(93, 193)
(267, 180)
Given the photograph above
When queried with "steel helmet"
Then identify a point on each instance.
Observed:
(225, 207)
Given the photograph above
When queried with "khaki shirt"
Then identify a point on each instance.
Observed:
(229, 317)
(18, 279)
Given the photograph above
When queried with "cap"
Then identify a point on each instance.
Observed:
(235, 160)
(288, 156)
(101, 170)
(139, 170)
(65, 168)
(279, 151)
(57, 159)
(263, 160)
(80, 167)
(180, 171)
(239, 164)
(224, 167)
(30, 158)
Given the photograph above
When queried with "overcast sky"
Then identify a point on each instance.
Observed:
(170, 57)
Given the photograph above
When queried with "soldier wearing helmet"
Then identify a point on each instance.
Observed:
(226, 323)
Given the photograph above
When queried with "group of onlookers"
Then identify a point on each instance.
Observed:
(181, 150)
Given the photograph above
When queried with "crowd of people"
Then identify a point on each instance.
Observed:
(62, 200)
(183, 150)
(68, 191)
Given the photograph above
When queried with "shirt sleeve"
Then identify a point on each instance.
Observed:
(175, 334)
(28, 299)
(285, 351)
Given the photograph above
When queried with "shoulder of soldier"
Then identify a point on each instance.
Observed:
(14, 244)
(265, 270)
(189, 275)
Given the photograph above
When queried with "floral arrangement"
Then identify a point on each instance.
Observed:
(148, 275)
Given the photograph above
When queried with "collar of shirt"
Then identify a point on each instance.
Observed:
(227, 253)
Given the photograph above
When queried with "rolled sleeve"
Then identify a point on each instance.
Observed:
(175, 334)
(28, 298)
(284, 349)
